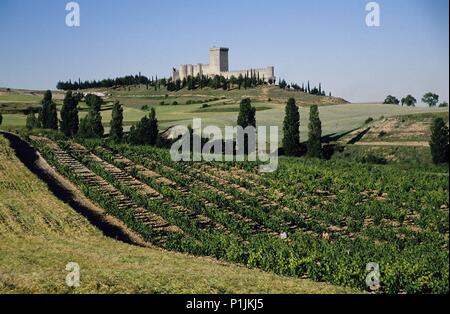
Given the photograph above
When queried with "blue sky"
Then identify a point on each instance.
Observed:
(322, 41)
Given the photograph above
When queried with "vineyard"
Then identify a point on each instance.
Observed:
(310, 219)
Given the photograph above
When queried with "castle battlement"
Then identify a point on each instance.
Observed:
(219, 65)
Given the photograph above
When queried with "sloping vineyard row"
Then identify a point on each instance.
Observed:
(153, 227)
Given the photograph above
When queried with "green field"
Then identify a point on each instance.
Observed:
(336, 115)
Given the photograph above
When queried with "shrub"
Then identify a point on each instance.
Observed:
(439, 143)
(369, 120)
(371, 158)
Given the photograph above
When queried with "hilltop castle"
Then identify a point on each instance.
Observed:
(218, 65)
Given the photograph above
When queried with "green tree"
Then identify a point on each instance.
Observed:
(152, 128)
(291, 129)
(314, 133)
(116, 133)
(145, 132)
(69, 115)
(48, 117)
(32, 121)
(391, 100)
(409, 101)
(431, 99)
(1, 119)
(439, 143)
(91, 126)
(94, 102)
(247, 114)
(246, 118)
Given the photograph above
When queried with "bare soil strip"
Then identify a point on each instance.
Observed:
(156, 222)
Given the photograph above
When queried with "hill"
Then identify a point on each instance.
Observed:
(180, 107)
(400, 140)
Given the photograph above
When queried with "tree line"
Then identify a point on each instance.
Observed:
(243, 81)
(431, 99)
(146, 132)
(305, 88)
(128, 80)
(91, 126)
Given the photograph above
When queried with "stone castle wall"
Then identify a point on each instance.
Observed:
(218, 58)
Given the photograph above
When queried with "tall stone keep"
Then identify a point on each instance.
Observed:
(218, 60)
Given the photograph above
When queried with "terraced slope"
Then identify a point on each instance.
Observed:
(39, 235)
(311, 219)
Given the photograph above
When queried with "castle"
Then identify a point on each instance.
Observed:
(218, 65)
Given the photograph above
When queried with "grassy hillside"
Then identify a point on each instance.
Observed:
(222, 110)
(402, 141)
(39, 235)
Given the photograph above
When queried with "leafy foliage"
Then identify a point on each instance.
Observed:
(69, 115)
(32, 121)
(431, 99)
(146, 131)
(439, 143)
(48, 118)
(409, 101)
(391, 100)
(91, 126)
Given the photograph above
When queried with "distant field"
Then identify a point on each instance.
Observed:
(340, 117)
(39, 235)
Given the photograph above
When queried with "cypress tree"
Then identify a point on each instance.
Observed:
(439, 143)
(69, 115)
(116, 133)
(92, 123)
(291, 129)
(1, 119)
(146, 131)
(247, 114)
(315, 133)
(246, 117)
(48, 118)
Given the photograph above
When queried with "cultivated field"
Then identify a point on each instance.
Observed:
(40, 234)
(338, 215)
(320, 220)
(336, 114)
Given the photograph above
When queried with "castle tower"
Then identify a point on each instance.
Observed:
(218, 60)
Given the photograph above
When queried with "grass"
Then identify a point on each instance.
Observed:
(417, 158)
(335, 119)
(39, 235)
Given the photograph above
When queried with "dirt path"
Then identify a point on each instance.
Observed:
(69, 193)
